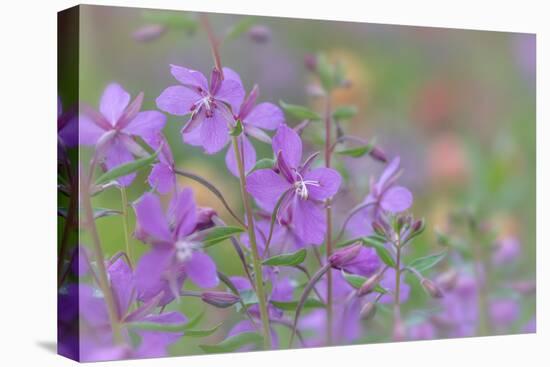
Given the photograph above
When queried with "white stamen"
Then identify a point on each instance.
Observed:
(301, 186)
(185, 249)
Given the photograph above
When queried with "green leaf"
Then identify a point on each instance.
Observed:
(357, 152)
(238, 129)
(264, 163)
(344, 112)
(299, 112)
(381, 251)
(291, 259)
(98, 212)
(194, 321)
(292, 305)
(239, 28)
(219, 234)
(171, 19)
(233, 343)
(427, 262)
(348, 242)
(356, 281)
(202, 333)
(126, 169)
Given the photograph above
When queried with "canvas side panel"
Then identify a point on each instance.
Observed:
(67, 173)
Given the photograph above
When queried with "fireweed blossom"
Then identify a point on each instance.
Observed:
(305, 189)
(116, 125)
(207, 103)
(67, 126)
(384, 196)
(176, 253)
(254, 119)
(97, 341)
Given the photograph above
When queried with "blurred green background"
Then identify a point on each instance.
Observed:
(458, 106)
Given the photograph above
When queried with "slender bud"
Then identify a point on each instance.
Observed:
(311, 62)
(369, 284)
(342, 257)
(418, 226)
(219, 299)
(377, 154)
(378, 229)
(259, 33)
(431, 288)
(368, 311)
(205, 217)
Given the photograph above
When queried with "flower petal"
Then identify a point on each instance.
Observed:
(182, 213)
(287, 141)
(309, 221)
(249, 156)
(396, 199)
(146, 124)
(328, 180)
(189, 77)
(122, 284)
(266, 116)
(113, 102)
(162, 178)
(116, 155)
(89, 132)
(201, 269)
(152, 225)
(177, 100)
(214, 134)
(389, 172)
(231, 90)
(266, 187)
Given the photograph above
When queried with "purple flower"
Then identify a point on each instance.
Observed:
(460, 308)
(97, 342)
(507, 250)
(384, 196)
(254, 118)
(162, 177)
(305, 189)
(116, 124)
(176, 254)
(67, 126)
(207, 103)
(504, 312)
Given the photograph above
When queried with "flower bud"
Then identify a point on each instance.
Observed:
(378, 229)
(418, 226)
(340, 258)
(310, 62)
(205, 218)
(369, 284)
(259, 34)
(448, 279)
(368, 311)
(377, 154)
(431, 288)
(219, 299)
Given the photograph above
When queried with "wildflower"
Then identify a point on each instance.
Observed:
(384, 196)
(304, 188)
(254, 119)
(67, 126)
(176, 254)
(116, 124)
(162, 177)
(97, 342)
(206, 102)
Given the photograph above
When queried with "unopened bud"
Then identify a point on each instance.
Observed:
(342, 257)
(418, 226)
(431, 288)
(369, 284)
(378, 229)
(205, 218)
(377, 154)
(219, 299)
(259, 34)
(368, 311)
(310, 62)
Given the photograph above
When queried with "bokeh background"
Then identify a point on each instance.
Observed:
(458, 106)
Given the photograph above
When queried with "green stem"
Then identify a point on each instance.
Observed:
(100, 260)
(125, 225)
(328, 154)
(260, 291)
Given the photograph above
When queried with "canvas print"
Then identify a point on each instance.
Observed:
(232, 183)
